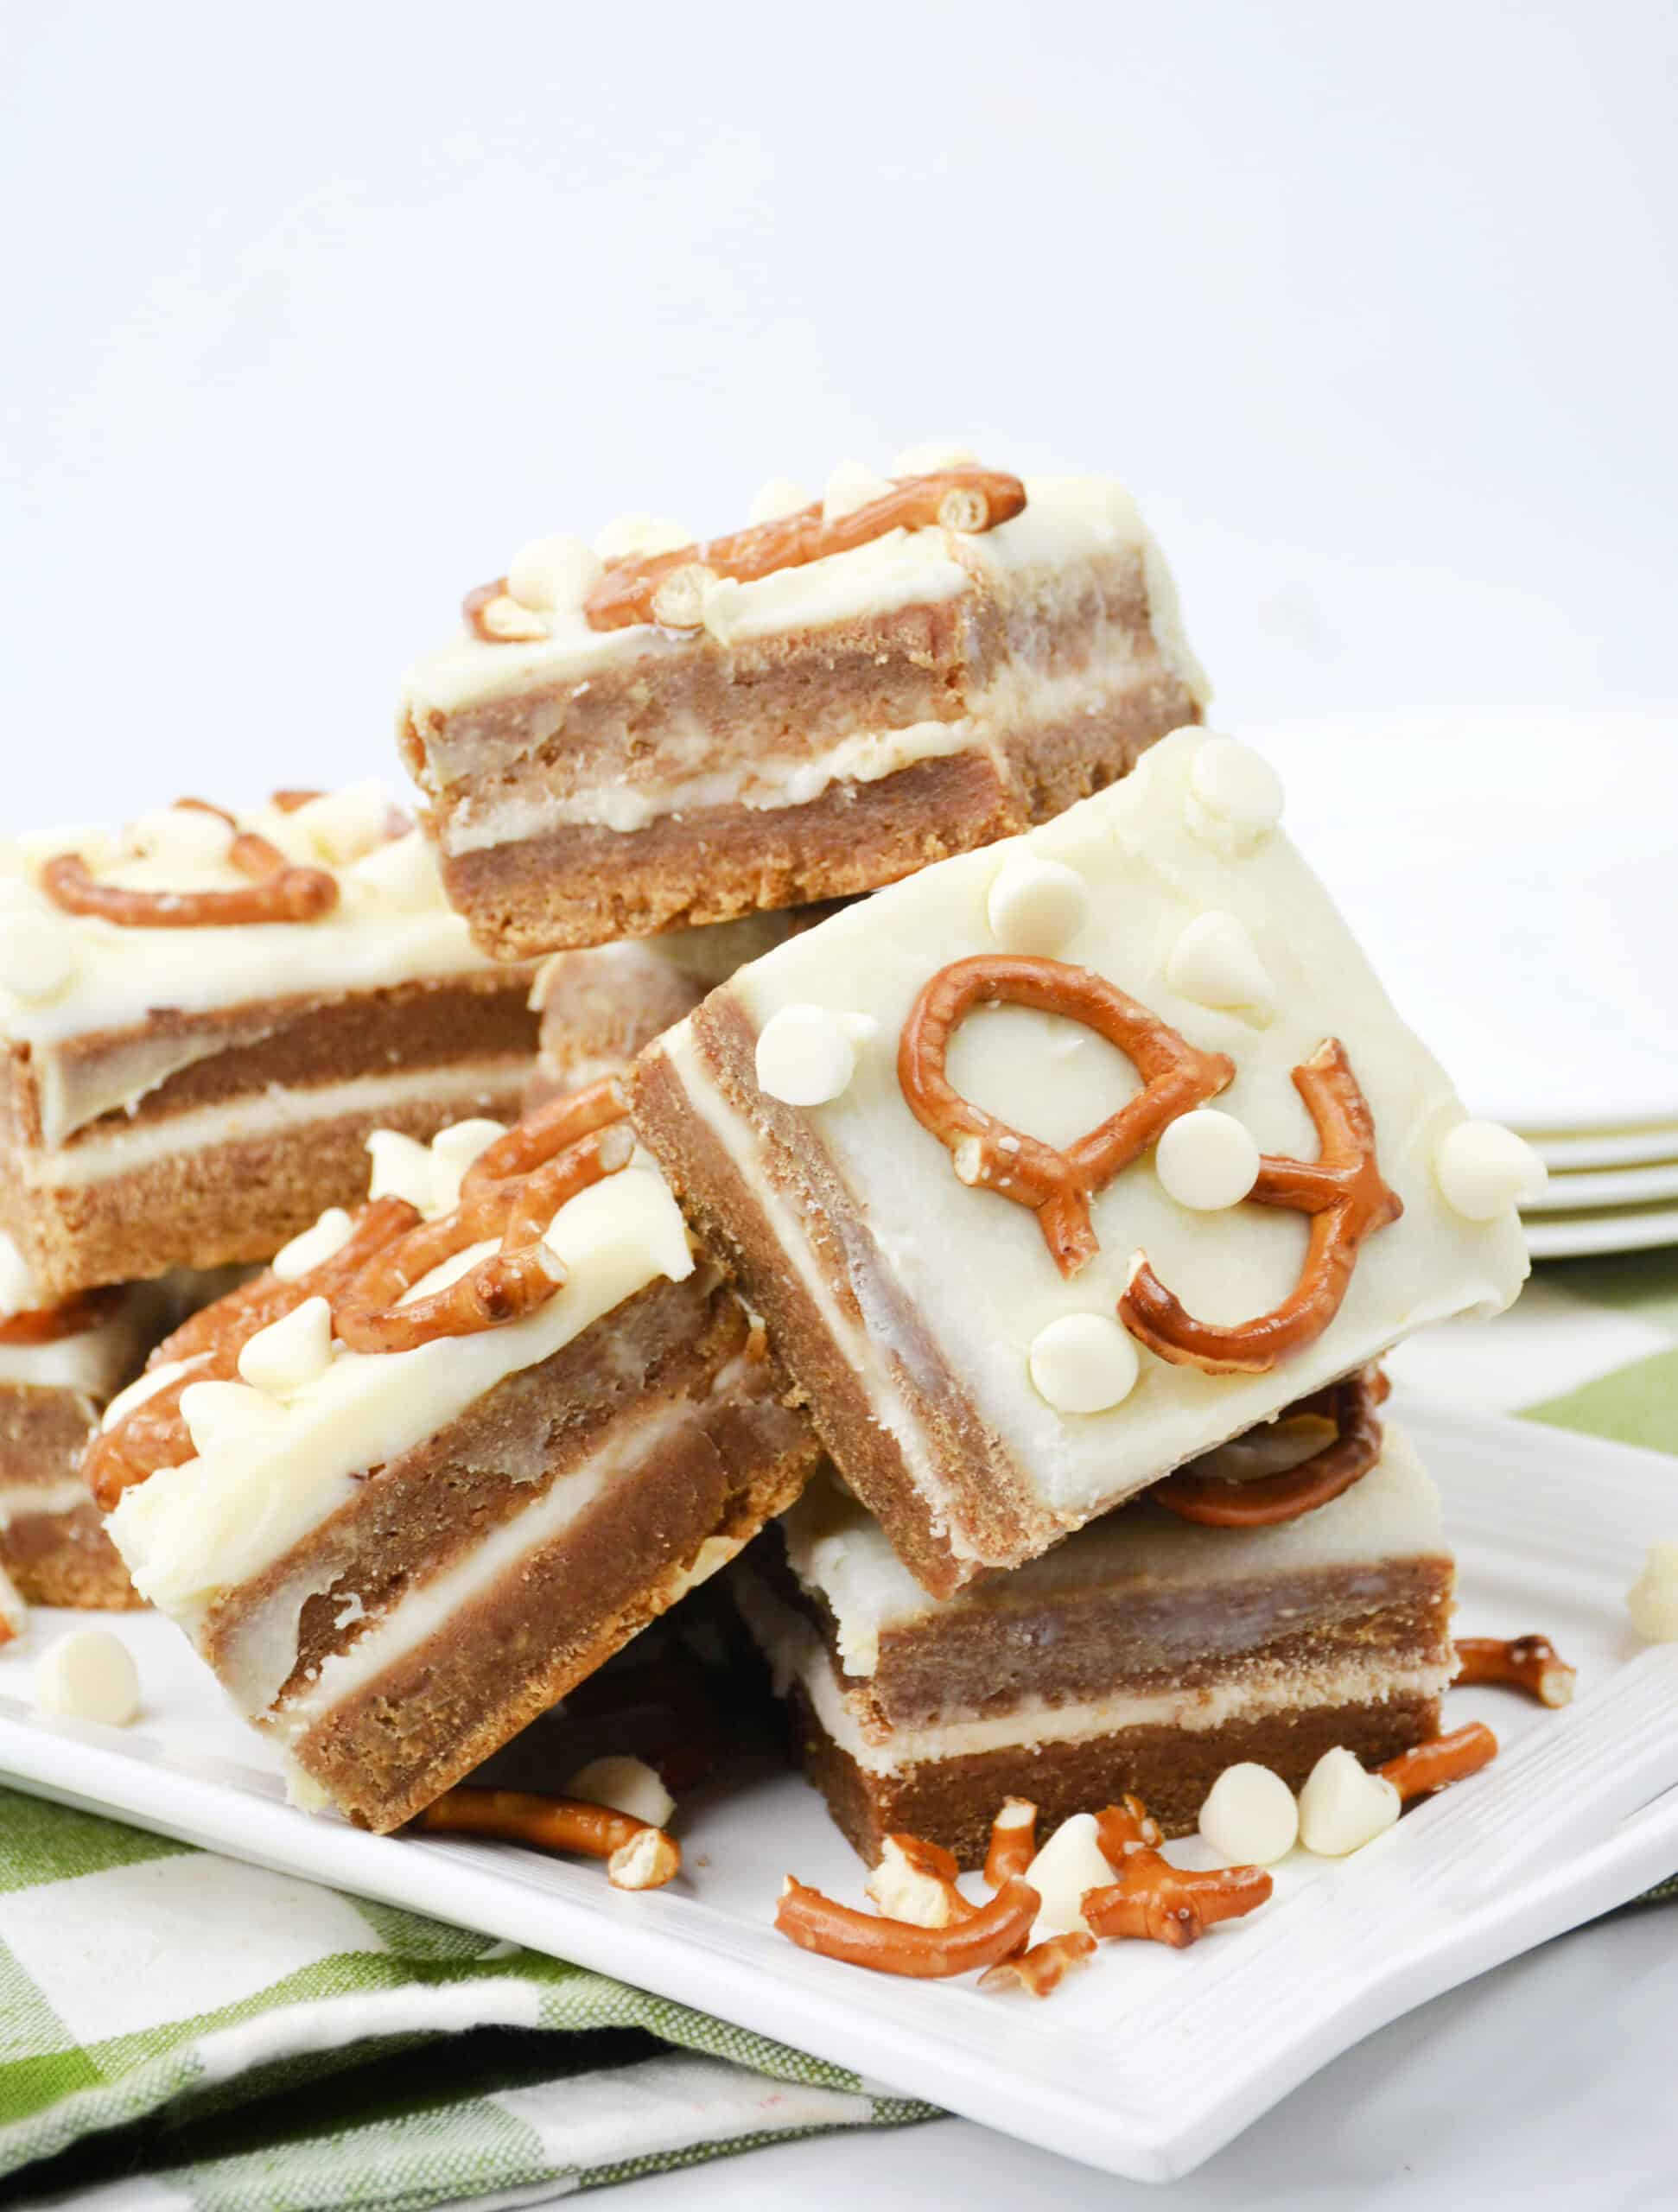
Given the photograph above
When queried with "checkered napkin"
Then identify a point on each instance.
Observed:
(242, 2039)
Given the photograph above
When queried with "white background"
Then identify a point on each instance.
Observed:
(314, 314)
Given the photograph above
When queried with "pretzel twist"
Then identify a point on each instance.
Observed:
(1055, 1183)
(1531, 1663)
(1441, 1761)
(536, 1140)
(375, 1314)
(277, 891)
(154, 1434)
(46, 1324)
(1343, 1192)
(967, 499)
(637, 1855)
(1225, 1502)
(996, 1931)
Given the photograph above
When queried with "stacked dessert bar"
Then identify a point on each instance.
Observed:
(203, 1017)
(966, 1136)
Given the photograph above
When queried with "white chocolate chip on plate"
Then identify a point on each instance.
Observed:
(1083, 1363)
(88, 1674)
(1036, 906)
(1251, 1817)
(1343, 1807)
(1068, 1867)
(1206, 1160)
(1483, 1169)
(1652, 1600)
(627, 1785)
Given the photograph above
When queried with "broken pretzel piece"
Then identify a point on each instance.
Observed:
(637, 1856)
(1012, 1841)
(1264, 1501)
(1172, 1904)
(1443, 1760)
(1124, 1829)
(1044, 1968)
(994, 1932)
(1523, 1662)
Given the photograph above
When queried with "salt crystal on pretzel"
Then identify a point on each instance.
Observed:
(992, 1187)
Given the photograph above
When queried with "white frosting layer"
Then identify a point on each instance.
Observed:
(797, 1654)
(975, 1267)
(1064, 517)
(31, 1501)
(189, 1532)
(391, 924)
(841, 1555)
(94, 1361)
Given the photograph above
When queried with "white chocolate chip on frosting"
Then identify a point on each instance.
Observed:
(1652, 1600)
(637, 537)
(1083, 1363)
(780, 496)
(347, 825)
(88, 1674)
(1216, 964)
(191, 837)
(453, 1151)
(1251, 1817)
(932, 459)
(400, 875)
(806, 1055)
(1483, 1169)
(402, 1168)
(220, 1416)
(291, 1353)
(1036, 906)
(1206, 1160)
(314, 1247)
(852, 484)
(37, 958)
(1235, 796)
(1069, 1865)
(1343, 1807)
(553, 575)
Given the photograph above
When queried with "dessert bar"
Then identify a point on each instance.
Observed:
(204, 1016)
(407, 1487)
(1145, 1655)
(1064, 1162)
(662, 734)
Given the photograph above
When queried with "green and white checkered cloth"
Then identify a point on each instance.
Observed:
(181, 2030)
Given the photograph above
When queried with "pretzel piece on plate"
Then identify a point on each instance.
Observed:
(1056, 1183)
(637, 1855)
(1344, 1193)
(1531, 1663)
(1440, 1761)
(994, 1932)
(1172, 1904)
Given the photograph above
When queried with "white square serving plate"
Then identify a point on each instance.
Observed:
(1153, 2059)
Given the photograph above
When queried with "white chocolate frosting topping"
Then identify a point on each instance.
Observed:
(64, 975)
(975, 1267)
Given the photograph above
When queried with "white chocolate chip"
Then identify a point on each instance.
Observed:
(781, 495)
(678, 600)
(222, 1416)
(188, 837)
(1206, 1161)
(1484, 1169)
(1250, 1817)
(37, 957)
(1652, 1600)
(453, 1151)
(88, 1674)
(143, 1387)
(509, 622)
(1236, 796)
(14, 1613)
(314, 1247)
(553, 575)
(291, 1353)
(852, 484)
(346, 825)
(932, 460)
(1083, 1363)
(901, 1892)
(1343, 1807)
(1216, 964)
(17, 1290)
(1036, 906)
(637, 537)
(627, 1785)
(806, 1055)
(1065, 1869)
(402, 1168)
(400, 875)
